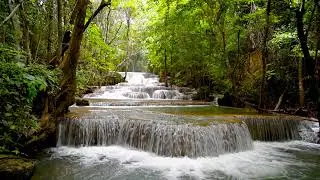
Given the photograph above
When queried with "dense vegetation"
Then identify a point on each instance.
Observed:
(251, 49)
(263, 53)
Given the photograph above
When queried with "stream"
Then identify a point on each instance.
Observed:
(141, 129)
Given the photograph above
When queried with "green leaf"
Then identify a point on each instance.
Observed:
(12, 127)
(7, 114)
(16, 151)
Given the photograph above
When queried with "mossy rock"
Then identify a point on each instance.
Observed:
(15, 167)
(112, 78)
(82, 102)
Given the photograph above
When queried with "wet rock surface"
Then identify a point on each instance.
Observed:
(14, 167)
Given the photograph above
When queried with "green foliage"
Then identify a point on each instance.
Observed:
(86, 79)
(8, 54)
(19, 86)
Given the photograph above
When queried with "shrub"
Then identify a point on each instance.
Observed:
(19, 85)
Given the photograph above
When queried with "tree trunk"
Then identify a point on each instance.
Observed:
(264, 58)
(318, 77)
(165, 68)
(300, 77)
(165, 50)
(59, 25)
(68, 85)
(26, 35)
(65, 13)
(128, 17)
(309, 71)
(279, 101)
(224, 43)
(317, 68)
(66, 96)
(234, 84)
(49, 40)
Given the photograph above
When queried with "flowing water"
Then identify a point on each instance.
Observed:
(139, 86)
(141, 129)
(164, 135)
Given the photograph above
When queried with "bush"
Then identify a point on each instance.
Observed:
(86, 78)
(19, 85)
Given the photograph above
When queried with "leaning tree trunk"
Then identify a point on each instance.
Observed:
(68, 85)
(69, 65)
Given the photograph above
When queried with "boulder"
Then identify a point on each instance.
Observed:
(112, 78)
(90, 89)
(82, 102)
(231, 101)
(226, 100)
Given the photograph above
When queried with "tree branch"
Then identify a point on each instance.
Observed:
(115, 36)
(11, 14)
(108, 24)
(102, 5)
(74, 12)
(311, 18)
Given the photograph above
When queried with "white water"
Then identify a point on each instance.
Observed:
(267, 160)
(138, 86)
(160, 134)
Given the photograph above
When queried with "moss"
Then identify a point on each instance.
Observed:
(216, 121)
(15, 167)
(212, 120)
(208, 111)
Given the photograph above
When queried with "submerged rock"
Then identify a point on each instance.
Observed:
(14, 167)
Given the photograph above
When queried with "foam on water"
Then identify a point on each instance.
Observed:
(266, 160)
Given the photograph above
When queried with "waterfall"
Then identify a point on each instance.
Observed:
(166, 138)
(170, 135)
(140, 86)
(167, 94)
(136, 95)
(279, 128)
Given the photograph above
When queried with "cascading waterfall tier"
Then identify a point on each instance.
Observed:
(141, 86)
(279, 128)
(166, 138)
